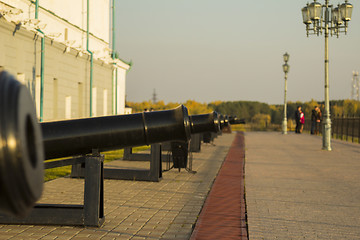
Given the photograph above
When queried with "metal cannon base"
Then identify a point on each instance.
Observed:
(209, 137)
(178, 152)
(130, 156)
(195, 143)
(154, 174)
(89, 214)
(181, 156)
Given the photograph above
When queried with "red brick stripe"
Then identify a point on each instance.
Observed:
(223, 214)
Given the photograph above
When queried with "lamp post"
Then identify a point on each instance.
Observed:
(355, 86)
(286, 69)
(319, 16)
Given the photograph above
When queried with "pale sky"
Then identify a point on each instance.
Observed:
(230, 50)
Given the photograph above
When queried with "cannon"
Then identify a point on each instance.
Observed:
(225, 127)
(88, 137)
(21, 149)
(235, 120)
(198, 124)
(224, 121)
(204, 123)
(82, 136)
(208, 137)
(180, 149)
(195, 143)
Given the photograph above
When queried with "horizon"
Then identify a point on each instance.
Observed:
(280, 104)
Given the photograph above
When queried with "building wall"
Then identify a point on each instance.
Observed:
(121, 84)
(18, 54)
(69, 18)
(75, 12)
(66, 66)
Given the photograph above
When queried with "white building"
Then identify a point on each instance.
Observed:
(60, 49)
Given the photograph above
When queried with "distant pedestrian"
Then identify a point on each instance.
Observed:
(314, 119)
(318, 121)
(302, 121)
(297, 119)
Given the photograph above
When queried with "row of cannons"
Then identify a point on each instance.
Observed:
(28, 147)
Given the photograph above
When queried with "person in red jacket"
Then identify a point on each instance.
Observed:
(302, 120)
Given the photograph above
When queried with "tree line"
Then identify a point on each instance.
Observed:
(253, 111)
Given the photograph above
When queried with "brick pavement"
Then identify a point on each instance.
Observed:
(295, 190)
(136, 210)
(223, 214)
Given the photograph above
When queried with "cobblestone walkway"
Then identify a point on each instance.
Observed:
(295, 190)
(136, 210)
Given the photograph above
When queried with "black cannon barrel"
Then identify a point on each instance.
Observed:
(205, 123)
(81, 136)
(235, 120)
(221, 121)
(21, 149)
(226, 120)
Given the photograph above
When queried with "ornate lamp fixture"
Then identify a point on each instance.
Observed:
(318, 16)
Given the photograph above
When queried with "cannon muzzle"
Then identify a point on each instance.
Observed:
(205, 123)
(224, 121)
(82, 136)
(21, 149)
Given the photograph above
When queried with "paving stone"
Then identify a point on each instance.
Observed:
(295, 190)
(136, 209)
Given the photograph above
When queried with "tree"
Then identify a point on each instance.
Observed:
(262, 120)
(350, 107)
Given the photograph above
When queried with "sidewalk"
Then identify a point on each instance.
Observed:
(136, 210)
(295, 190)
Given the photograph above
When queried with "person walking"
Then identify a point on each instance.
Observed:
(314, 118)
(302, 120)
(297, 119)
(318, 121)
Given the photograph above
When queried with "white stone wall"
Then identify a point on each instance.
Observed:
(67, 63)
(69, 19)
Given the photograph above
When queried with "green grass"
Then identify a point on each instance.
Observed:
(255, 127)
(238, 127)
(54, 173)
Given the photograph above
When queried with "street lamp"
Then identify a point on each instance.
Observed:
(286, 69)
(355, 86)
(319, 16)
